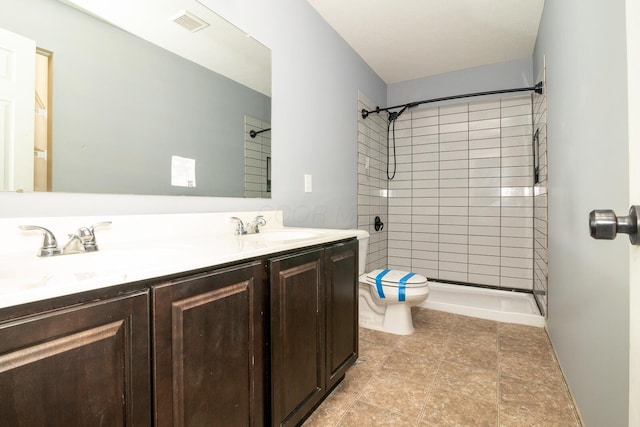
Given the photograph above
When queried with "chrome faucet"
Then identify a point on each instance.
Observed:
(83, 240)
(253, 227)
(239, 226)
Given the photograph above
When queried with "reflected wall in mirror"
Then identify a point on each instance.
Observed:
(122, 107)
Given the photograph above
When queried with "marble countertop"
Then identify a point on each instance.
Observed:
(181, 247)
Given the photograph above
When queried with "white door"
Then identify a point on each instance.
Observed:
(633, 77)
(17, 110)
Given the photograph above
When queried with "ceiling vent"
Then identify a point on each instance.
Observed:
(189, 21)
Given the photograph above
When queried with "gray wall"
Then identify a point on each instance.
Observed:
(123, 107)
(316, 76)
(584, 44)
(505, 75)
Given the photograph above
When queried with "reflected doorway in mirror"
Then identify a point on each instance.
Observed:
(17, 88)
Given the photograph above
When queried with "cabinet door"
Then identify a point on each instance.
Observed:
(208, 347)
(297, 336)
(85, 365)
(342, 309)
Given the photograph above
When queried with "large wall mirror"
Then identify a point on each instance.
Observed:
(132, 97)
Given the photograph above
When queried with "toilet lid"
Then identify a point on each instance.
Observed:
(393, 278)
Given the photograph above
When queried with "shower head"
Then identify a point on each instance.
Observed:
(254, 133)
(393, 115)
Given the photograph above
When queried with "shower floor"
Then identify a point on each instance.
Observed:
(491, 304)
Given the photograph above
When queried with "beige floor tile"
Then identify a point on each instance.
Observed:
(474, 382)
(324, 416)
(412, 364)
(530, 369)
(475, 324)
(446, 408)
(400, 393)
(513, 330)
(485, 357)
(525, 414)
(363, 414)
(430, 345)
(553, 394)
(353, 384)
(433, 320)
(356, 378)
(476, 338)
(530, 345)
(453, 371)
(373, 354)
(377, 337)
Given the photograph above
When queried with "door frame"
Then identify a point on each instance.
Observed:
(633, 88)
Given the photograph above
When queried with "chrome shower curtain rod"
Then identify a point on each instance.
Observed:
(394, 114)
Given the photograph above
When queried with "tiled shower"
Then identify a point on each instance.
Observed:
(540, 224)
(461, 205)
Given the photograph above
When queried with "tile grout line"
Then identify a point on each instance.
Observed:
(499, 379)
(435, 375)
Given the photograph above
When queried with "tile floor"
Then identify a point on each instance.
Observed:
(453, 371)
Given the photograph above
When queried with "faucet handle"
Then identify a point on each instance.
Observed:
(88, 237)
(99, 224)
(49, 243)
(257, 222)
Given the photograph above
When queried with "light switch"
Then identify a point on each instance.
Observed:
(307, 183)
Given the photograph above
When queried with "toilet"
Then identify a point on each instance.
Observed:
(386, 296)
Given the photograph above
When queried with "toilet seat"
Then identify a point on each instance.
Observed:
(393, 278)
(395, 283)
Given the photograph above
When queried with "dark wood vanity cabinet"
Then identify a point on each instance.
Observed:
(341, 281)
(314, 336)
(85, 365)
(208, 346)
(219, 347)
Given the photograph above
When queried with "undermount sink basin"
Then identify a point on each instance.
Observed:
(282, 235)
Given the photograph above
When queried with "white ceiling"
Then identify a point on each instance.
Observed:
(409, 39)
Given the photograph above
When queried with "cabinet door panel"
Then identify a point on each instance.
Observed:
(297, 333)
(86, 365)
(208, 349)
(342, 309)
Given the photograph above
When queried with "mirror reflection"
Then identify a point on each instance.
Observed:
(115, 113)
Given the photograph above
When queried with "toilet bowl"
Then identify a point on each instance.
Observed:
(386, 296)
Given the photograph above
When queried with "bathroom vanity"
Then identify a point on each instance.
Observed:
(225, 330)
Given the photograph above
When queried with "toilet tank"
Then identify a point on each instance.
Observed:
(363, 246)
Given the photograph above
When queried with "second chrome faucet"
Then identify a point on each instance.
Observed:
(252, 227)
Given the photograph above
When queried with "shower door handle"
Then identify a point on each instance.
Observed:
(604, 224)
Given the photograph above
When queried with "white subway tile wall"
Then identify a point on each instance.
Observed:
(461, 206)
(540, 265)
(372, 182)
(257, 155)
